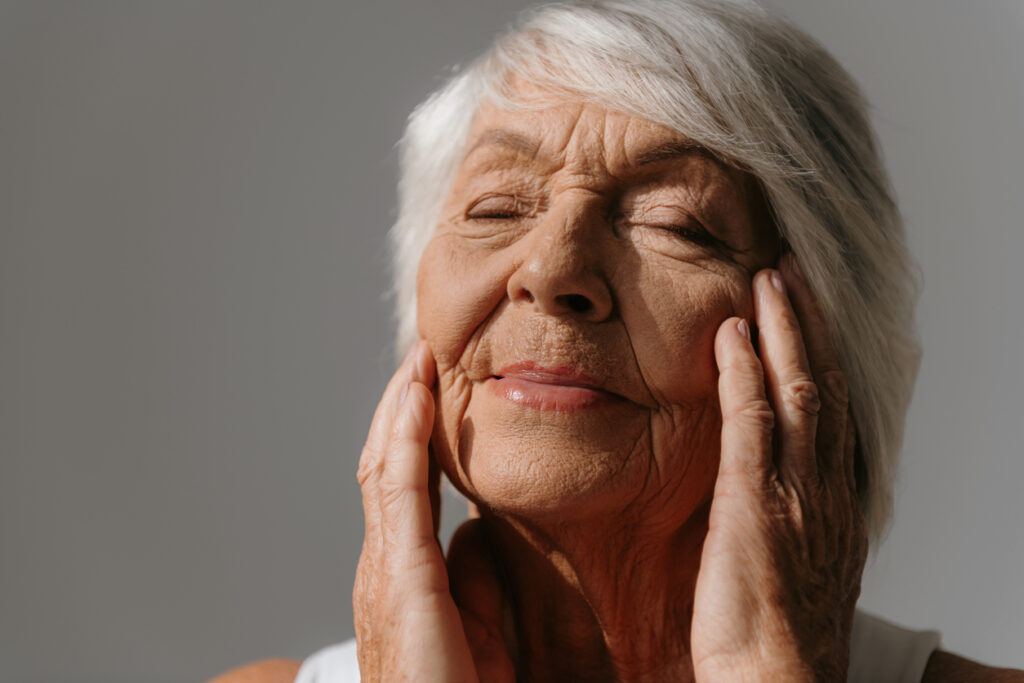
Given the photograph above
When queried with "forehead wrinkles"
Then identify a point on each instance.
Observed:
(580, 139)
(610, 141)
(594, 141)
(578, 135)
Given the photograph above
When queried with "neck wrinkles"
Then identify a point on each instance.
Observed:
(605, 600)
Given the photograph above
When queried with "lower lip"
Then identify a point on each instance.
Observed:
(542, 396)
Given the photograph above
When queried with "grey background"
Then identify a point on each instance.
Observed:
(193, 205)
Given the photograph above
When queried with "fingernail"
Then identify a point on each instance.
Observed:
(777, 283)
(743, 328)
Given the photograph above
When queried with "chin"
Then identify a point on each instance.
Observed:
(545, 474)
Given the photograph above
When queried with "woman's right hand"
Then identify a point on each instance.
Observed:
(407, 624)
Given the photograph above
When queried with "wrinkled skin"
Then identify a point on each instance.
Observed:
(700, 520)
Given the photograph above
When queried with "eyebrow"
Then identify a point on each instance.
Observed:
(673, 150)
(506, 138)
(521, 144)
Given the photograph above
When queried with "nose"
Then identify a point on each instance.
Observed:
(561, 272)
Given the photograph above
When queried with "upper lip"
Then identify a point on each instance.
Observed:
(561, 375)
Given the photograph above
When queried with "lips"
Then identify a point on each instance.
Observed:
(558, 388)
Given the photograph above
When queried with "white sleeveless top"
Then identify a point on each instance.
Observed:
(880, 652)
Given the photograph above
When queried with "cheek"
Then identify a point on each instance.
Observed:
(457, 289)
(672, 321)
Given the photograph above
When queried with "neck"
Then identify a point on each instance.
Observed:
(608, 599)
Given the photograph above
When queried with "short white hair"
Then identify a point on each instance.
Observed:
(762, 96)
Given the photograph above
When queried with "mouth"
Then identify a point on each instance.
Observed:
(559, 388)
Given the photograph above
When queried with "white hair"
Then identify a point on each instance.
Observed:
(762, 96)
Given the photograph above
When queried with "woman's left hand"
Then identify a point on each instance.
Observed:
(781, 565)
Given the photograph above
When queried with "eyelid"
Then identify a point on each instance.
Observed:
(659, 216)
(680, 223)
(695, 233)
(513, 203)
(698, 234)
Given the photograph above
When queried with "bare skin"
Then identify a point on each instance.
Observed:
(697, 519)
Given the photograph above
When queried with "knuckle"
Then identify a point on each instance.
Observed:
(404, 440)
(409, 553)
(367, 466)
(803, 396)
(756, 417)
(394, 493)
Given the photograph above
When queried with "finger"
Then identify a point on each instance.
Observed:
(860, 519)
(846, 496)
(791, 387)
(424, 371)
(406, 509)
(851, 454)
(381, 430)
(369, 460)
(833, 392)
(382, 423)
(747, 417)
(434, 488)
(404, 481)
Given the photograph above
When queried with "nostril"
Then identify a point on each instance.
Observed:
(577, 303)
(526, 295)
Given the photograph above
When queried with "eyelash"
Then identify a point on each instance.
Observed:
(520, 210)
(492, 216)
(697, 235)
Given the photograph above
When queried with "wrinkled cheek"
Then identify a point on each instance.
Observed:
(436, 312)
(686, 443)
(673, 334)
(452, 432)
(456, 291)
(686, 433)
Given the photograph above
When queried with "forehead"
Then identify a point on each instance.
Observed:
(558, 132)
(568, 143)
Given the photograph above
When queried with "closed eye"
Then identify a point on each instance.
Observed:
(492, 215)
(501, 207)
(695, 234)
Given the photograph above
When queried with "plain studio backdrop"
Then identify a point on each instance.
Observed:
(194, 199)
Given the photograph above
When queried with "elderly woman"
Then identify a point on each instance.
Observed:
(659, 317)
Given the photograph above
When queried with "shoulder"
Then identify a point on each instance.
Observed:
(266, 671)
(945, 667)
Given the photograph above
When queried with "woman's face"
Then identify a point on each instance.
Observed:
(571, 294)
